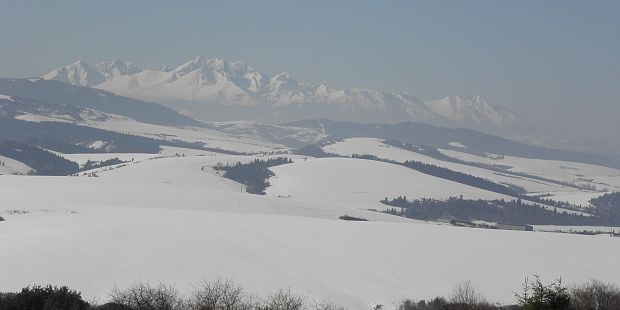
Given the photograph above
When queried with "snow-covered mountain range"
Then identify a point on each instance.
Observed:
(214, 89)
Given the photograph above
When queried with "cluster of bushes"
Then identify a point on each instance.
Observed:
(44, 162)
(215, 295)
(43, 298)
(500, 211)
(254, 174)
(228, 295)
(535, 295)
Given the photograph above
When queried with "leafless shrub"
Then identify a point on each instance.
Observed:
(326, 305)
(465, 296)
(219, 295)
(595, 295)
(285, 300)
(141, 296)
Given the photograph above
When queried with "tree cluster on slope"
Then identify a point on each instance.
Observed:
(44, 162)
(607, 206)
(451, 175)
(461, 177)
(254, 174)
(500, 211)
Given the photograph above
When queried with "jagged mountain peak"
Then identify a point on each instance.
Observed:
(77, 73)
(116, 67)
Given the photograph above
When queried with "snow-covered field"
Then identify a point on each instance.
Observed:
(174, 219)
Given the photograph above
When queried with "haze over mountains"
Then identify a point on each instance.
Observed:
(214, 89)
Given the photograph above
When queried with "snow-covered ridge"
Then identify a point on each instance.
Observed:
(219, 84)
(5, 97)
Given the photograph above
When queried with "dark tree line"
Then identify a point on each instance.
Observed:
(254, 174)
(452, 175)
(98, 164)
(434, 153)
(463, 178)
(44, 162)
(500, 211)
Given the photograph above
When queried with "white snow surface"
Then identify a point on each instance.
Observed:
(175, 220)
(12, 166)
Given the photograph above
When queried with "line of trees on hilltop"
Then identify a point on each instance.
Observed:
(90, 164)
(451, 175)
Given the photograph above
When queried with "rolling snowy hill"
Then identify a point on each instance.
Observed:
(174, 219)
(559, 180)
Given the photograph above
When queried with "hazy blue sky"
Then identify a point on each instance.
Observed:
(535, 57)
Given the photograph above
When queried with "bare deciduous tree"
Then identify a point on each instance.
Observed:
(595, 295)
(220, 295)
(141, 296)
(285, 300)
(326, 305)
(465, 296)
